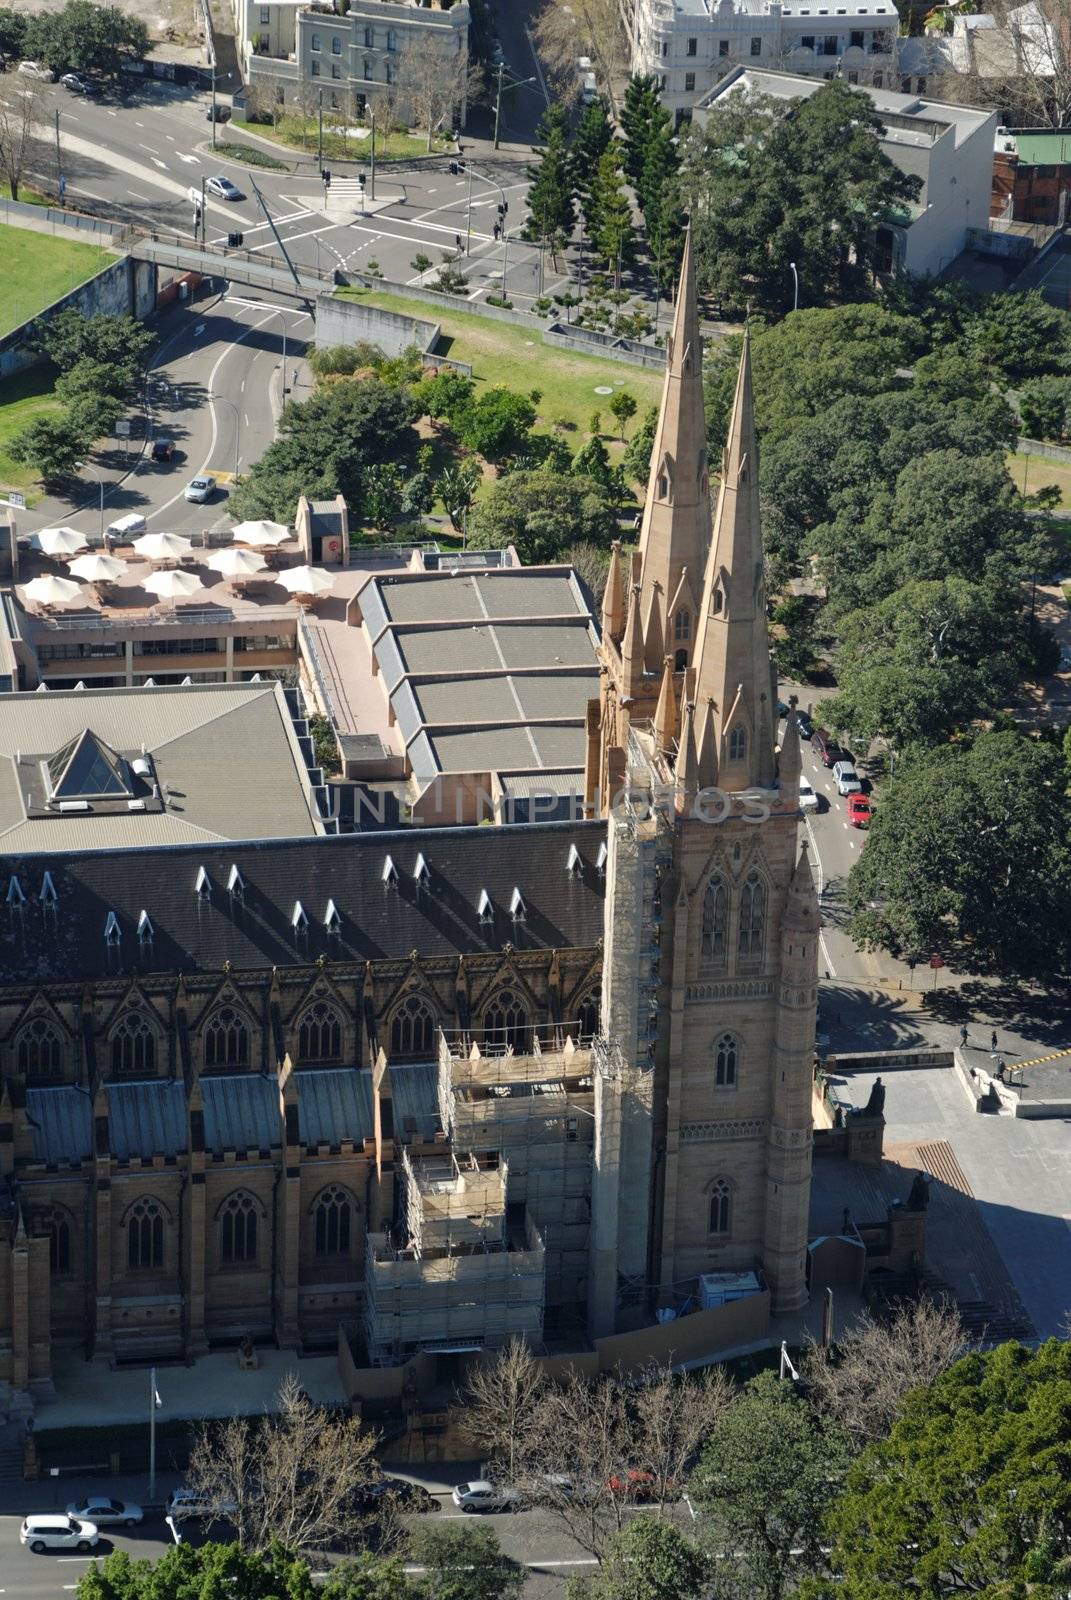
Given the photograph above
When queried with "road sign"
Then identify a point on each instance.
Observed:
(937, 961)
(18, 501)
(122, 428)
(193, 196)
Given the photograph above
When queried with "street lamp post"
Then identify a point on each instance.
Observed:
(154, 1405)
(795, 287)
(470, 169)
(320, 132)
(520, 83)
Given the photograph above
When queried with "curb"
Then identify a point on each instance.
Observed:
(282, 170)
(300, 158)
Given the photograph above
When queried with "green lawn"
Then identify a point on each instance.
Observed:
(516, 358)
(27, 197)
(38, 269)
(1031, 473)
(299, 135)
(22, 398)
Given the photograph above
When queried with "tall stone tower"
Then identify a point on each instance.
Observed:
(703, 1075)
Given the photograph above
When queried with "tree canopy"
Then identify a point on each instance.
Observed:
(541, 512)
(86, 38)
(771, 182)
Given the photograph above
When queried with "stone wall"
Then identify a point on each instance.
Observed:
(126, 288)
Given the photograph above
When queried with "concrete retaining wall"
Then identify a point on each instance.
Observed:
(126, 288)
(55, 220)
(888, 1060)
(1051, 452)
(350, 321)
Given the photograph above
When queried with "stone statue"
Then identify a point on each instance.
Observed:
(875, 1106)
(919, 1194)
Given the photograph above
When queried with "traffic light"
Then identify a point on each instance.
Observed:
(360, 179)
(453, 169)
(235, 240)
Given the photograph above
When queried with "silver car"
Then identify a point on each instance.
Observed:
(200, 489)
(223, 188)
(105, 1512)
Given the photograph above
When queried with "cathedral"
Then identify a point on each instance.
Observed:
(432, 1086)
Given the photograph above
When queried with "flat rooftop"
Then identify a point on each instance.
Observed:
(120, 769)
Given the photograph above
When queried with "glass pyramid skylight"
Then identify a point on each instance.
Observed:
(87, 769)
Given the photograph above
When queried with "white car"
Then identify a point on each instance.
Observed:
(57, 1532)
(102, 1510)
(846, 778)
(223, 188)
(808, 798)
(34, 69)
(200, 489)
(483, 1496)
(185, 1503)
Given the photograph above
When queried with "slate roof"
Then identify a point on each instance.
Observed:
(241, 1112)
(61, 1122)
(333, 1105)
(146, 1119)
(379, 920)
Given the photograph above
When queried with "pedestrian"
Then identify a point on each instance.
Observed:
(963, 1036)
(498, 231)
(457, 242)
(1000, 1069)
(993, 1042)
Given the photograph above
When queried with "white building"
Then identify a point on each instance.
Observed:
(689, 45)
(949, 147)
(361, 57)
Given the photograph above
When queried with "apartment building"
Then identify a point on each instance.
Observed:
(362, 57)
(689, 45)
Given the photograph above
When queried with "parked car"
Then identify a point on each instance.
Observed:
(223, 188)
(860, 811)
(162, 449)
(79, 85)
(633, 1484)
(35, 69)
(483, 1496)
(104, 1511)
(57, 1531)
(808, 798)
(200, 489)
(846, 778)
(803, 722)
(413, 1496)
(826, 748)
(182, 1503)
(218, 113)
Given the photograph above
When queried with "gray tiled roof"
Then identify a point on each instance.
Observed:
(61, 1122)
(146, 1119)
(194, 933)
(241, 1112)
(415, 1094)
(334, 1105)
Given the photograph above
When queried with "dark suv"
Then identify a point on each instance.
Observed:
(163, 449)
(826, 748)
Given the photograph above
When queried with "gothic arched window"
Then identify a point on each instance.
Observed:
(333, 1211)
(752, 916)
(145, 1236)
(715, 917)
(320, 1033)
(39, 1050)
(721, 1209)
(737, 744)
(238, 1230)
(59, 1244)
(682, 626)
(412, 1029)
(134, 1047)
(589, 1016)
(226, 1039)
(505, 1024)
(726, 1053)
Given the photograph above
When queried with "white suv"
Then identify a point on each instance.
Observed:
(187, 1503)
(34, 69)
(846, 778)
(57, 1532)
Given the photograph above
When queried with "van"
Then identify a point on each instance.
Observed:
(56, 1531)
(846, 778)
(128, 527)
(589, 89)
(826, 748)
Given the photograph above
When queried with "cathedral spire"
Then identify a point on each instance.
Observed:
(632, 645)
(613, 599)
(665, 717)
(676, 513)
(732, 657)
(687, 769)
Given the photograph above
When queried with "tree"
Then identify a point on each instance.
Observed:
(448, 394)
(368, 1577)
(568, 29)
(343, 360)
(205, 1572)
(591, 565)
(542, 513)
(382, 493)
(611, 222)
(119, 344)
(764, 1479)
(646, 1561)
(574, 1452)
(594, 133)
(456, 487)
(672, 1415)
(970, 1493)
(659, 193)
(497, 1404)
(1044, 405)
(12, 32)
(50, 446)
(641, 110)
(550, 191)
(1020, 335)
(637, 457)
(623, 409)
(292, 1476)
(86, 38)
(496, 424)
(968, 856)
(466, 1563)
(324, 445)
(21, 126)
(1023, 66)
(863, 1383)
(438, 82)
(769, 183)
(592, 461)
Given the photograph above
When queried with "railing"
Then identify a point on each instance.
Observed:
(310, 656)
(169, 619)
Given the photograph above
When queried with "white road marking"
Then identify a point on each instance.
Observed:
(170, 137)
(139, 124)
(259, 305)
(242, 389)
(158, 163)
(197, 159)
(245, 418)
(292, 238)
(111, 114)
(143, 198)
(200, 328)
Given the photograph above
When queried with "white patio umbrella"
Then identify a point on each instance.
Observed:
(233, 563)
(265, 534)
(173, 585)
(97, 568)
(60, 541)
(52, 591)
(162, 547)
(306, 580)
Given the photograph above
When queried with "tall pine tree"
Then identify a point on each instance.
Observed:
(551, 213)
(660, 201)
(639, 111)
(593, 135)
(612, 222)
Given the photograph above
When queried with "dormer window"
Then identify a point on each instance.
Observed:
(298, 920)
(332, 920)
(390, 873)
(600, 859)
(49, 898)
(422, 872)
(517, 908)
(484, 908)
(575, 862)
(144, 928)
(15, 896)
(235, 884)
(203, 884)
(112, 931)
